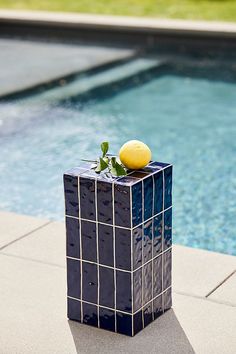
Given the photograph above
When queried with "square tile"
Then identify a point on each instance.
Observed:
(73, 278)
(167, 299)
(137, 290)
(89, 241)
(137, 239)
(147, 282)
(105, 245)
(147, 314)
(106, 287)
(74, 309)
(122, 205)
(158, 306)
(137, 204)
(90, 282)
(72, 237)
(157, 234)
(138, 322)
(167, 229)
(90, 314)
(158, 192)
(104, 202)
(123, 291)
(87, 198)
(124, 323)
(123, 248)
(148, 197)
(167, 258)
(157, 275)
(147, 240)
(71, 195)
(168, 187)
(107, 319)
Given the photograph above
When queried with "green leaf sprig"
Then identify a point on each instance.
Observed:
(107, 164)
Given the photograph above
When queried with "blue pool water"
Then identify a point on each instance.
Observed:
(186, 120)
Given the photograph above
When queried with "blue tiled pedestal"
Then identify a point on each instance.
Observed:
(119, 244)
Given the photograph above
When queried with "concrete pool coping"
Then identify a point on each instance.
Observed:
(108, 22)
(33, 295)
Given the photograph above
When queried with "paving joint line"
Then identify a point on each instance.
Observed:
(32, 260)
(225, 303)
(221, 283)
(25, 235)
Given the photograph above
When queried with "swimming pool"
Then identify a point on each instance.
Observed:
(184, 110)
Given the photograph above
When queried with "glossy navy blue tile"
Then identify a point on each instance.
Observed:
(168, 229)
(73, 278)
(159, 165)
(137, 204)
(167, 299)
(87, 198)
(105, 245)
(90, 282)
(123, 291)
(138, 322)
(147, 282)
(72, 237)
(124, 323)
(74, 309)
(167, 269)
(90, 314)
(104, 202)
(137, 290)
(126, 181)
(138, 174)
(157, 306)
(148, 197)
(88, 237)
(106, 287)
(168, 187)
(158, 192)
(147, 241)
(147, 314)
(122, 205)
(123, 248)
(137, 236)
(157, 234)
(107, 319)
(157, 275)
(71, 195)
(76, 171)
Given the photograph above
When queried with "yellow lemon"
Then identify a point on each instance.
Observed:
(135, 154)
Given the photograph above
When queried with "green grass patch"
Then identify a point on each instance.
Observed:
(218, 10)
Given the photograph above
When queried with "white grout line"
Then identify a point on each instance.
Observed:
(116, 310)
(98, 280)
(143, 207)
(162, 237)
(131, 258)
(122, 227)
(81, 254)
(114, 248)
(119, 269)
(153, 203)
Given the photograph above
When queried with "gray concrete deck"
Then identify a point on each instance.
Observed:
(33, 299)
(25, 63)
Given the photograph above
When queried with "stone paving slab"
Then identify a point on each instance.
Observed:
(13, 226)
(195, 272)
(226, 292)
(33, 318)
(209, 326)
(25, 64)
